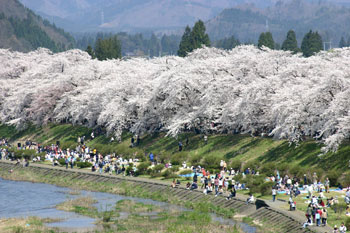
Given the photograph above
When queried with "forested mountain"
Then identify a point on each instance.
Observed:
(22, 30)
(246, 23)
(127, 15)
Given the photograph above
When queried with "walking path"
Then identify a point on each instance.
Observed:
(264, 211)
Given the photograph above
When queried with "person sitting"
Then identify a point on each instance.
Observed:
(18, 162)
(292, 204)
(188, 185)
(173, 184)
(233, 193)
(220, 192)
(208, 189)
(194, 186)
(250, 199)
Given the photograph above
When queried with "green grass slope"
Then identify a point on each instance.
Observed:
(242, 151)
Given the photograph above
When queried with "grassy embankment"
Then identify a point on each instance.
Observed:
(265, 154)
(241, 151)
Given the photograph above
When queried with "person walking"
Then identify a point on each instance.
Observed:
(324, 216)
(326, 185)
(274, 193)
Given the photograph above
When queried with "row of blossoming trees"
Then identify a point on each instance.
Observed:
(245, 90)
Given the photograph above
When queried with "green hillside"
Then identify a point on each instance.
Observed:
(22, 30)
(264, 154)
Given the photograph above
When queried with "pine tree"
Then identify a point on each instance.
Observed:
(227, 43)
(198, 36)
(266, 39)
(290, 43)
(185, 44)
(109, 48)
(194, 39)
(312, 43)
(342, 43)
(154, 47)
(90, 51)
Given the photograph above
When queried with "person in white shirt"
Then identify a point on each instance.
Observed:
(342, 228)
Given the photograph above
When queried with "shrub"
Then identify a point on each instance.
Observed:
(185, 172)
(211, 162)
(178, 158)
(347, 223)
(84, 164)
(339, 208)
(175, 168)
(265, 188)
(128, 170)
(169, 174)
(253, 164)
(142, 168)
(62, 161)
(333, 177)
(254, 182)
(345, 180)
(297, 170)
(236, 164)
(268, 169)
(158, 168)
(195, 159)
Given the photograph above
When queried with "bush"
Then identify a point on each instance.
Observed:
(84, 164)
(339, 208)
(178, 158)
(347, 223)
(297, 170)
(158, 168)
(175, 168)
(254, 182)
(211, 162)
(185, 172)
(253, 164)
(167, 174)
(195, 159)
(62, 161)
(142, 168)
(236, 164)
(128, 170)
(265, 188)
(268, 169)
(333, 177)
(345, 180)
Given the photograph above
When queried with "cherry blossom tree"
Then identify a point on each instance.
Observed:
(244, 90)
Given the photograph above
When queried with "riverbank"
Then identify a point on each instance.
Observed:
(239, 151)
(98, 212)
(270, 220)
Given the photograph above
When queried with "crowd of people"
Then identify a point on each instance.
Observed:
(221, 183)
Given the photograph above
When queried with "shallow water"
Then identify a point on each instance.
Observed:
(24, 199)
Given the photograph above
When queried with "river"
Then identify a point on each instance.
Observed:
(24, 199)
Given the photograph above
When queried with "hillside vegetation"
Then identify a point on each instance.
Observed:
(247, 22)
(240, 151)
(22, 30)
